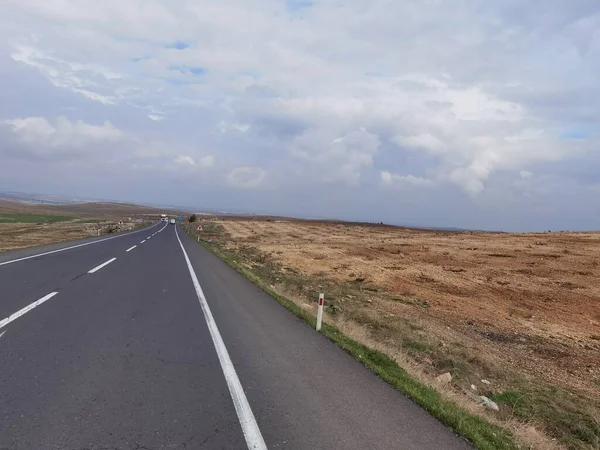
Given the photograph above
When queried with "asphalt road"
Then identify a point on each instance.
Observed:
(165, 347)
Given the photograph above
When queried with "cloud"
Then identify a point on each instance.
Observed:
(341, 158)
(423, 141)
(525, 174)
(76, 77)
(42, 136)
(324, 94)
(203, 162)
(225, 127)
(246, 177)
(407, 181)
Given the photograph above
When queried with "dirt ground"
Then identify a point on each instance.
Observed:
(526, 304)
(21, 235)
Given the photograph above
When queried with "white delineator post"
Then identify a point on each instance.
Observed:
(320, 311)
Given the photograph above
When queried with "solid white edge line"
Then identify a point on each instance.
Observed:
(252, 434)
(104, 264)
(25, 310)
(131, 248)
(74, 246)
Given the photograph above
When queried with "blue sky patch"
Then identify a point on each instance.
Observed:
(574, 134)
(297, 5)
(178, 45)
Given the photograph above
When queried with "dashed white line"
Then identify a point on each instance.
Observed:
(104, 264)
(71, 247)
(252, 434)
(143, 241)
(25, 310)
(131, 248)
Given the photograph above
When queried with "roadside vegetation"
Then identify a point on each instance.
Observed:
(405, 350)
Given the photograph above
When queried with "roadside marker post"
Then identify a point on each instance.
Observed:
(320, 311)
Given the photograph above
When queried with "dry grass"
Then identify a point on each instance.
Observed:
(518, 310)
(21, 235)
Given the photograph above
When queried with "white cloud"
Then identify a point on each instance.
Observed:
(38, 132)
(422, 141)
(246, 177)
(78, 78)
(340, 158)
(203, 162)
(525, 174)
(225, 127)
(405, 181)
(183, 159)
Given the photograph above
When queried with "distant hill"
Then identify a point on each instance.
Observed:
(40, 199)
(91, 209)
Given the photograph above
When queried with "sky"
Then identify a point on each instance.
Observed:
(479, 114)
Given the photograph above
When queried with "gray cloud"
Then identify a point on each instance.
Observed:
(452, 101)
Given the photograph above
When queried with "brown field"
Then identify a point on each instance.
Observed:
(520, 310)
(92, 209)
(22, 235)
(78, 221)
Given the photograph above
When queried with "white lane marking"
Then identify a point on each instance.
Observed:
(2, 334)
(25, 310)
(97, 268)
(73, 246)
(143, 241)
(254, 439)
(131, 248)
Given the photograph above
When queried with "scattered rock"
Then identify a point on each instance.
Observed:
(444, 378)
(489, 403)
(369, 301)
(486, 382)
(334, 309)
(474, 388)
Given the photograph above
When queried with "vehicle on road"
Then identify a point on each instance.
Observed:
(172, 221)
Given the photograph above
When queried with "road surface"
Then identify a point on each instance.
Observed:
(148, 341)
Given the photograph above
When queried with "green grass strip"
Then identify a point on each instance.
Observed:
(32, 218)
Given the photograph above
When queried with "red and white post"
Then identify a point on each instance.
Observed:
(320, 311)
